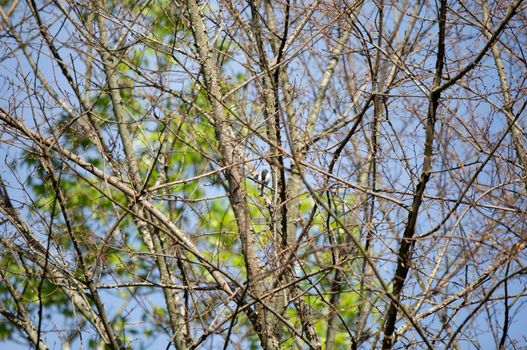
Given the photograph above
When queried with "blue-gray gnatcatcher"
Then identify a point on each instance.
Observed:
(263, 179)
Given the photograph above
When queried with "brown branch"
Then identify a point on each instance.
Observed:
(404, 256)
(483, 52)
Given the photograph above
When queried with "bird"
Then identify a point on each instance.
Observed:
(263, 180)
